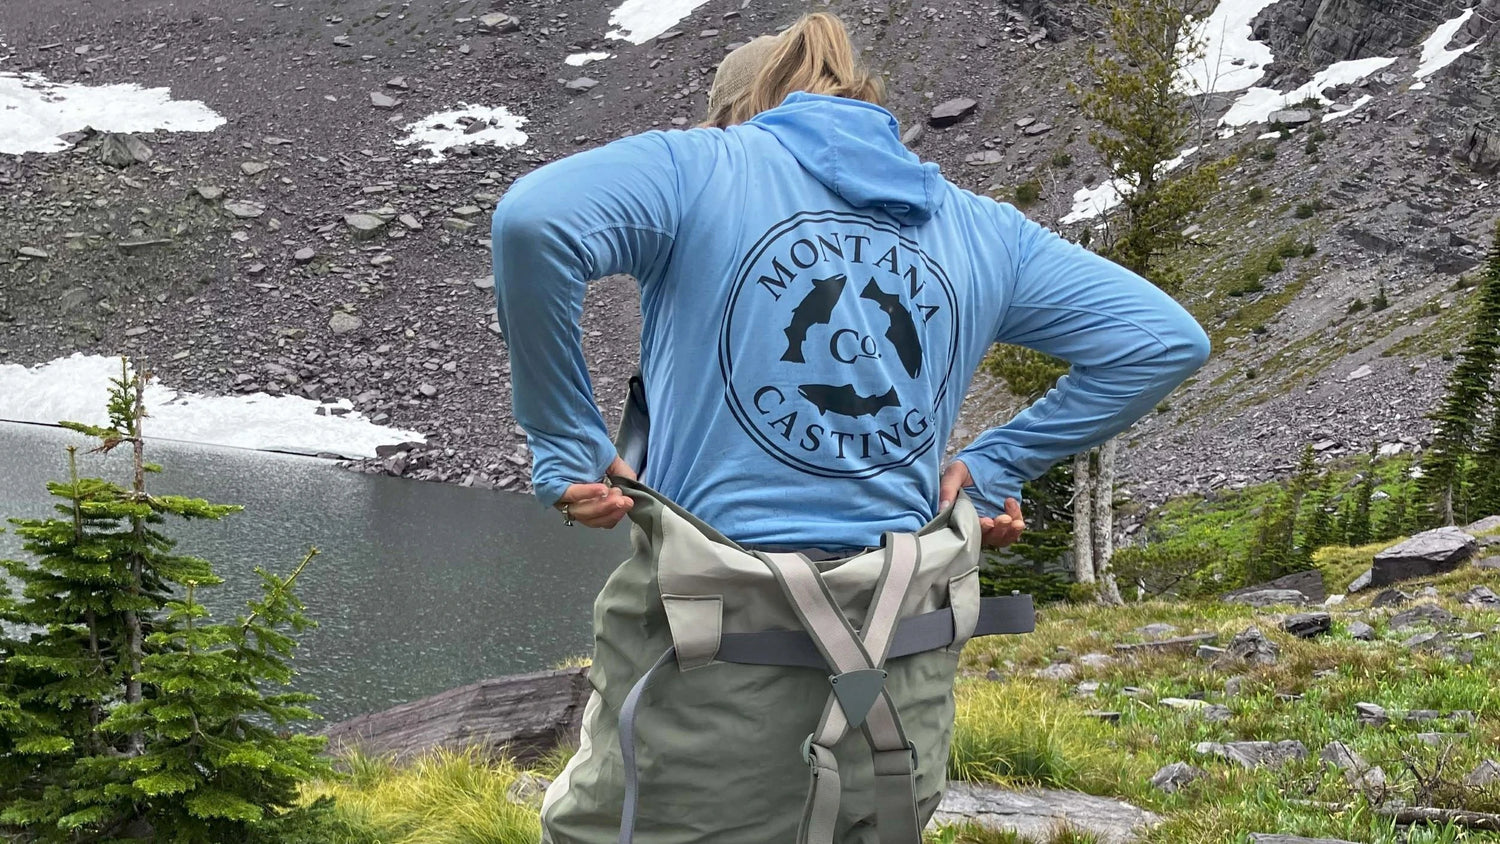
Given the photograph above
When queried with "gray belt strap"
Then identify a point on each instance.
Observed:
(1011, 614)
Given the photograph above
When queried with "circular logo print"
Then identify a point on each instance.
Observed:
(837, 345)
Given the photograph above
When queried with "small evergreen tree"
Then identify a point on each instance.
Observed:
(1320, 528)
(1468, 393)
(1357, 531)
(1396, 520)
(123, 714)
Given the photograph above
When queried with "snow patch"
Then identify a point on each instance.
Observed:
(1232, 59)
(581, 59)
(639, 21)
(35, 111)
(1358, 104)
(441, 131)
(75, 389)
(1258, 104)
(1435, 52)
(1089, 203)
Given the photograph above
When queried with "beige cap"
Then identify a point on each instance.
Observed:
(738, 70)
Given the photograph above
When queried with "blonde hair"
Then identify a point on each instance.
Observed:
(815, 56)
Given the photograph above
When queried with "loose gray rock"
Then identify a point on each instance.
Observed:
(118, 149)
(1036, 813)
(952, 112)
(427, 390)
(1156, 631)
(304, 255)
(1361, 631)
(210, 193)
(987, 158)
(1309, 583)
(1421, 614)
(1362, 582)
(1095, 660)
(1485, 775)
(1358, 773)
(1255, 754)
(364, 226)
(1423, 640)
(1484, 525)
(254, 168)
(33, 252)
(1308, 625)
(581, 84)
(343, 323)
(484, 282)
(499, 23)
(1480, 596)
(1268, 598)
(383, 102)
(244, 209)
(1488, 563)
(1057, 671)
(1441, 739)
(1391, 598)
(913, 133)
(1177, 776)
(399, 83)
(528, 790)
(1251, 647)
(1037, 129)
(1371, 714)
(1290, 117)
(1426, 554)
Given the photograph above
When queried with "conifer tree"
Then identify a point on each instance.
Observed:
(123, 713)
(1358, 530)
(1321, 529)
(1469, 392)
(1397, 513)
(1145, 121)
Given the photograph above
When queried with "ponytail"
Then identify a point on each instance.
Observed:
(815, 56)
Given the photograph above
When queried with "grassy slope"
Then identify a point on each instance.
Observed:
(1029, 731)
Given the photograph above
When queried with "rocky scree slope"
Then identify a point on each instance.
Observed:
(299, 249)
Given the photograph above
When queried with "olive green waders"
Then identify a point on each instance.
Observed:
(755, 698)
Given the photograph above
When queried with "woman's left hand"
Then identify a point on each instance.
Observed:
(998, 532)
(598, 505)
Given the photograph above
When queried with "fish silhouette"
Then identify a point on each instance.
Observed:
(902, 331)
(845, 401)
(815, 309)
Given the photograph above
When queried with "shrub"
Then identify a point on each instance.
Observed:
(1356, 306)
(1305, 210)
(1256, 194)
(1267, 153)
(1003, 578)
(1062, 159)
(1027, 193)
(1380, 303)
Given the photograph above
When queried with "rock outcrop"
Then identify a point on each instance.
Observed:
(524, 717)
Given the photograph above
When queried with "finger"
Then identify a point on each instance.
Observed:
(610, 506)
(955, 478)
(1013, 508)
(582, 492)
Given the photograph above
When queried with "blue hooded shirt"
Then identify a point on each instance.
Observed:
(814, 301)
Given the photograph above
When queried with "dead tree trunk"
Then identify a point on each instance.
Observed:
(1083, 517)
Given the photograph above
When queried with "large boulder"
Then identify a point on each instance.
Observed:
(524, 717)
(1309, 583)
(1426, 554)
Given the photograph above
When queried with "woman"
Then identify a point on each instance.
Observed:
(815, 302)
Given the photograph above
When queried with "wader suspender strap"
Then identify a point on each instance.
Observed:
(858, 697)
(804, 649)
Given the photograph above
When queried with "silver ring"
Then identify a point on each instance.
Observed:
(567, 516)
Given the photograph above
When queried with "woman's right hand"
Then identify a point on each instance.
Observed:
(598, 505)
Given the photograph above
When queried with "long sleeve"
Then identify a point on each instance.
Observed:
(606, 211)
(1128, 345)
